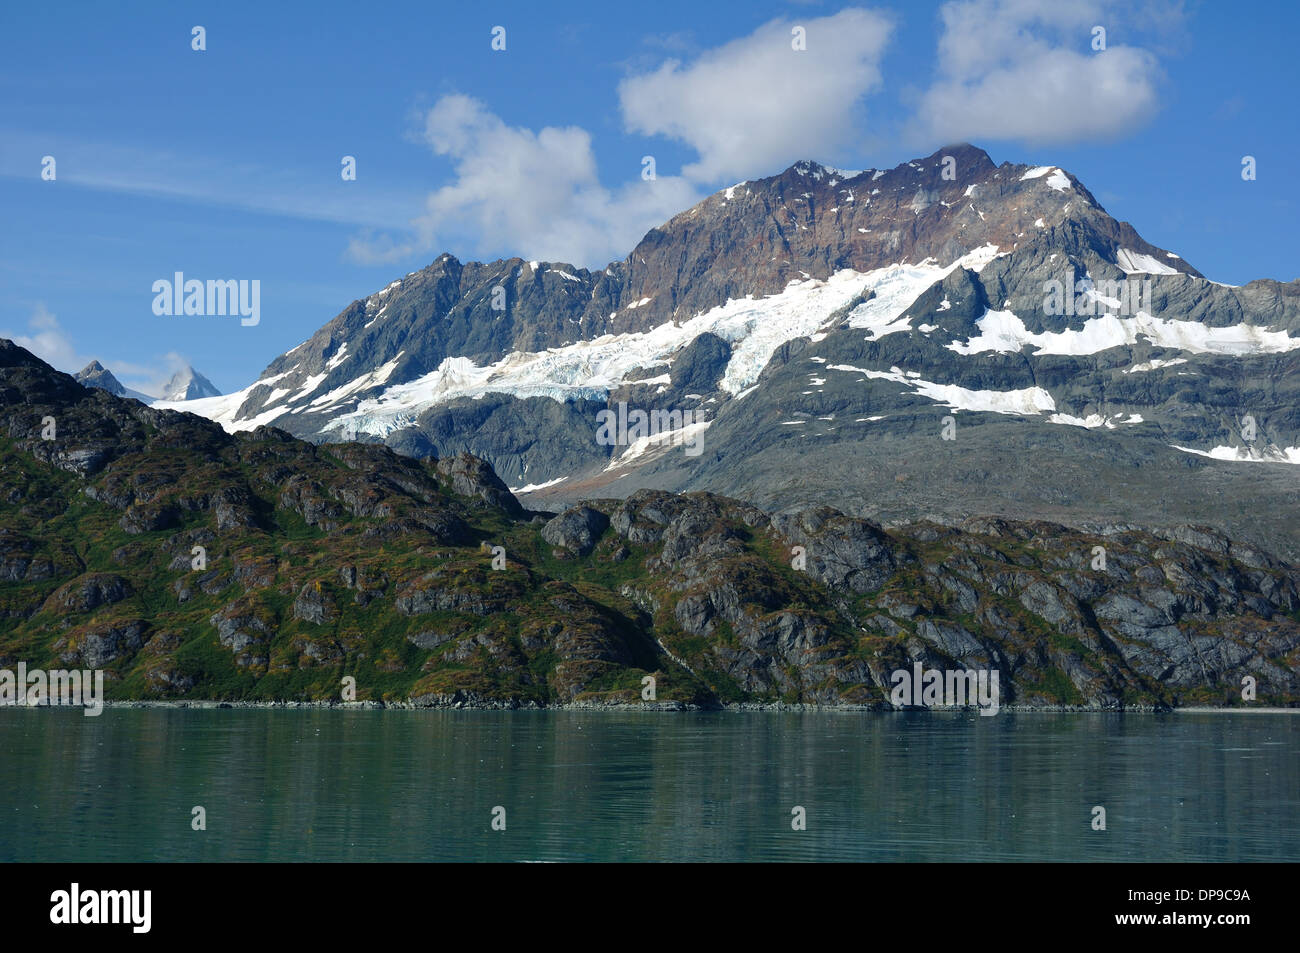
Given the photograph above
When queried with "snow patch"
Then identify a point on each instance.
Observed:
(1154, 363)
(339, 357)
(1029, 401)
(1270, 454)
(1058, 180)
(1093, 421)
(1136, 263)
(686, 437)
(534, 487)
(1003, 331)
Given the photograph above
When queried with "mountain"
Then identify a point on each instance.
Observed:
(185, 384)
(187, 562)
(188, 384)
(96, 374)
(822, 328)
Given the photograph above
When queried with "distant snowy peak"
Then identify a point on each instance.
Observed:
(185, 384)
(189, 384)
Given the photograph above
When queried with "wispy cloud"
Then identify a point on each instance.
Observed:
(221, 182)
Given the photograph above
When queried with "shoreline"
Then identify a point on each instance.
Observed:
(664, 707)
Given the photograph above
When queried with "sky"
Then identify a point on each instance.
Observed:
(492, 130)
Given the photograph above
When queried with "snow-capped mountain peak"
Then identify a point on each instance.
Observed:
(188, 384)
(818, 305)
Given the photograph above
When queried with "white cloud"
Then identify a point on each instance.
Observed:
(149, 380)
(754, 105)
(532, 194)
(1024, 70)
(48, 341)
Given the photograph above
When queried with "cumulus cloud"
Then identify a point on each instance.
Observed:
(754, 105)
(747, 108)
(1024, 70)
(534, 194)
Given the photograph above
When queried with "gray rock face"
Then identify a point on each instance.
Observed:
(89, 593)
(524, 437)
(430, 640)
(148, 518)
(700, 365)
(313, 604)
(20, 560)
(106, 643)
(478, 592)
(472, 477)
(576, 529)
(245, 633)
(954, 642)
(841, 551)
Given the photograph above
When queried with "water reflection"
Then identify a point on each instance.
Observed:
(364, 786)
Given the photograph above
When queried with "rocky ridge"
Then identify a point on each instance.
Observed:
(320, 562)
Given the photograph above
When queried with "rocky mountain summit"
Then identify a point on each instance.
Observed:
(96, 374)
(946, 338)
(189, 562)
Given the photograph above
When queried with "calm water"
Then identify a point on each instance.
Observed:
(405, 785)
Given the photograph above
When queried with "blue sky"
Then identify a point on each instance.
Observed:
(225, 163)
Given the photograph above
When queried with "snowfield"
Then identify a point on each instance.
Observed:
(754, 327)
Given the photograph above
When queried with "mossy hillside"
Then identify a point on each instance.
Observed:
(326, 563)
